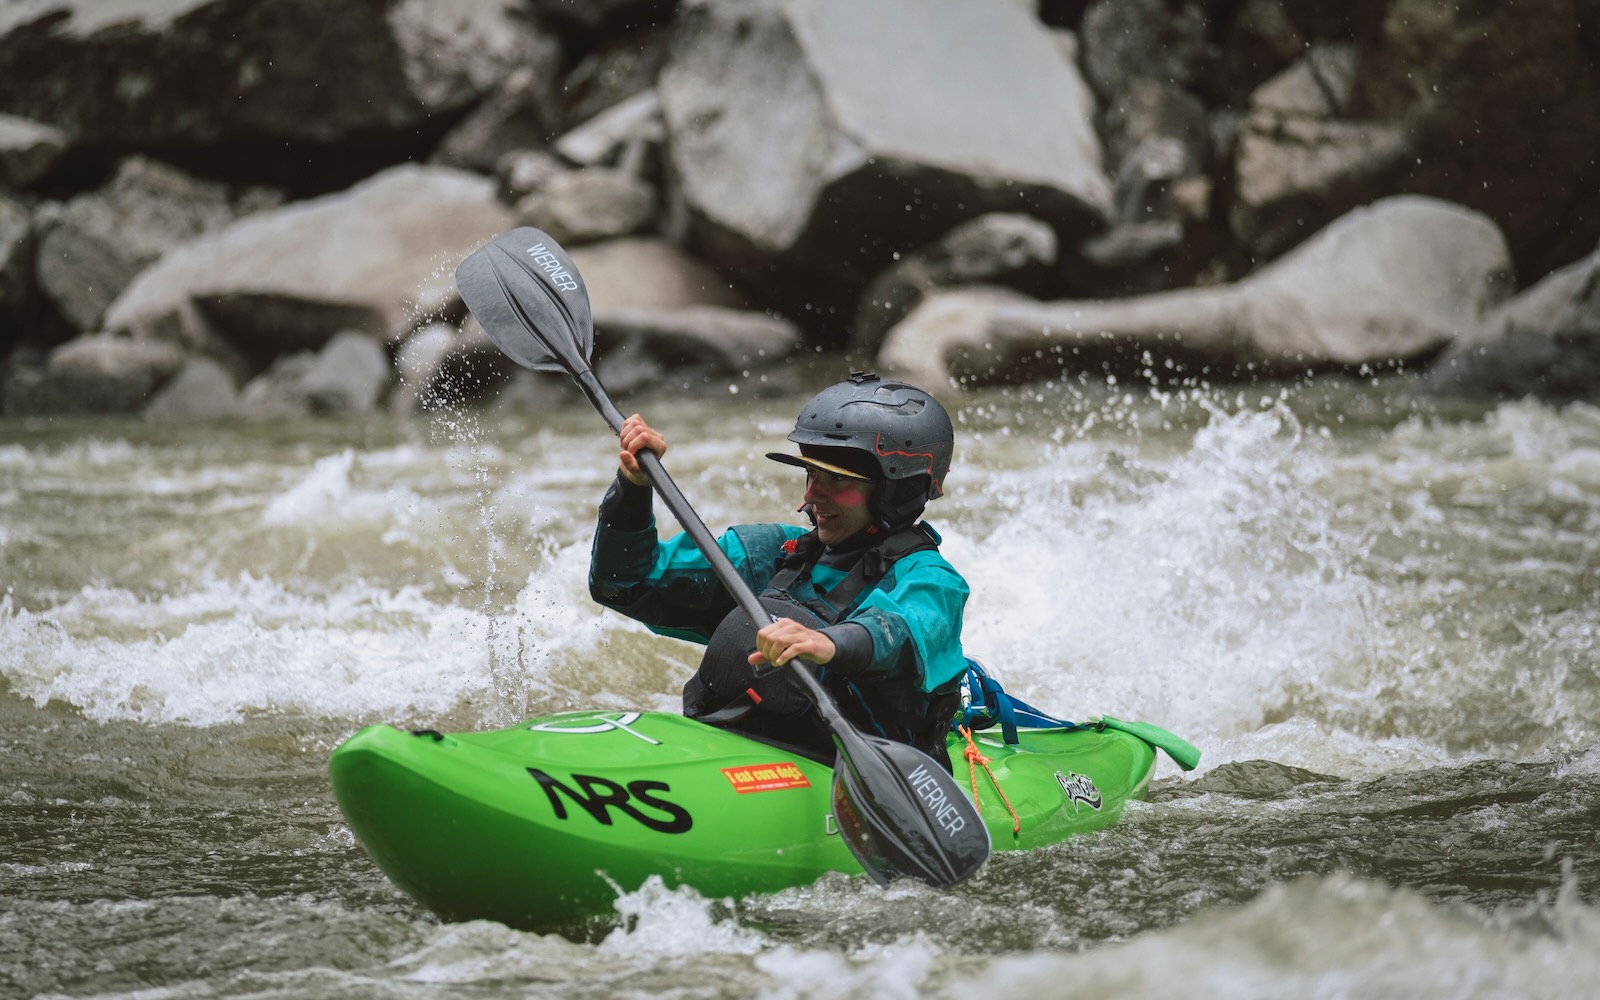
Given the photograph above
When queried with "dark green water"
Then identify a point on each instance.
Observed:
(1381, 624)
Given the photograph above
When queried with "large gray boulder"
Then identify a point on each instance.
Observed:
(348, 376)
(646, 273)
(831, 133)
(100, 374)
(99, 241)
(257, 73)
(202, 390)
(1544, 343)
(351, 374)
(646, 348)
(377, 259)
(1394, 281)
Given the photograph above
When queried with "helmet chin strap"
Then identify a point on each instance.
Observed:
(891, 517)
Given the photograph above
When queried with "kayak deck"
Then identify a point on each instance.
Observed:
(539, 825)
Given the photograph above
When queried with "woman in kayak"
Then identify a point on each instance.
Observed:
(864, 598)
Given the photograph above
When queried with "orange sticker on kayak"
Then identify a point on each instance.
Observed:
(766, 777)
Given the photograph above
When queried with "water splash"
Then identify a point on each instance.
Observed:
(1190, 588)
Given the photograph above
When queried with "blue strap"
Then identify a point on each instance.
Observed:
(988, 696)
(993, 695)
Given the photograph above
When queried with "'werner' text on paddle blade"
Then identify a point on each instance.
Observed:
(524, 289)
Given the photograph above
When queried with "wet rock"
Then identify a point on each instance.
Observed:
(1158, 134)
(377, 259)
(620, 135)
(524, 171)
(95, 245)
(275, 393)
(1398, 280)
(100, 373)
(1126, 39)
(1496, 96)
(1299, 161)
(784, 145)
(349, 375)
(519, 115)
(1543, 343)
(586, 206)
(611, 74)
(1136, 257)
(644, 273)
(203, 389)
(28, 150)
(249, 77)
(1260, 40)
(703, 339)
(999, 248)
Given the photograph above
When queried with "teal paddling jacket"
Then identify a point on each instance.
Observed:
(912, 614)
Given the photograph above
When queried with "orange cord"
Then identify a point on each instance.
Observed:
(975, 759)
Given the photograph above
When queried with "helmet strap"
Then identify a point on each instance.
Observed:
(897, 504)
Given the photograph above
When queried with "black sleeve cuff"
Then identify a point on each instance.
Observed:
(626, 507)
(852, 647)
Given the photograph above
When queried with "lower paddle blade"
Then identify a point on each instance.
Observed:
(902, 814)
(531, 301)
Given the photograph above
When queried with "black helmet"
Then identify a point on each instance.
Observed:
(887, 431)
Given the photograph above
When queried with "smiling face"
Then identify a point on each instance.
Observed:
(839, 504)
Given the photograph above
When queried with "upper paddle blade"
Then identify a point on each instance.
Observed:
(531, 301)
(902, 814)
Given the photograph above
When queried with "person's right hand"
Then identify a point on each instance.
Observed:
(636, 435)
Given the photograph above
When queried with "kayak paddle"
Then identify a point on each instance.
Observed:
(899, 811)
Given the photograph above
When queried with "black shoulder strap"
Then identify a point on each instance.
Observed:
(876, 561)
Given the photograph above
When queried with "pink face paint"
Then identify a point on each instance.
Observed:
(849, 496)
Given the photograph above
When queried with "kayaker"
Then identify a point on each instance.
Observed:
(864, 596)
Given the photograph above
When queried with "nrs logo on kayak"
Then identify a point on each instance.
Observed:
(598, 796)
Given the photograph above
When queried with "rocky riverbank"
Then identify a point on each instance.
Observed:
(220, 208)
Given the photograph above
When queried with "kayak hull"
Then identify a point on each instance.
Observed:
(540, 825)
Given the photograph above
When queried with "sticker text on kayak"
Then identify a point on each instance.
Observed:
(598, 796)
(926, 785)
(1079, 788)
(766, 777)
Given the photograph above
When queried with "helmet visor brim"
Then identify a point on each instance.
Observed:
(807, 462)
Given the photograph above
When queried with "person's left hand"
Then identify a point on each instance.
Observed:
(785, 639)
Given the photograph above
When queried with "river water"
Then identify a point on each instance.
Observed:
(1381, 623)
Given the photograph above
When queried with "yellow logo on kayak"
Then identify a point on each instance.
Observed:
(766, 777)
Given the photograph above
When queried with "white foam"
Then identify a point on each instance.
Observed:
(1185, 590)
(1327, 937)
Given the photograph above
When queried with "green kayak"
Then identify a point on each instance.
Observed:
(540, 824)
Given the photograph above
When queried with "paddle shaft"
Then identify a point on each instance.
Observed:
(697, 531)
